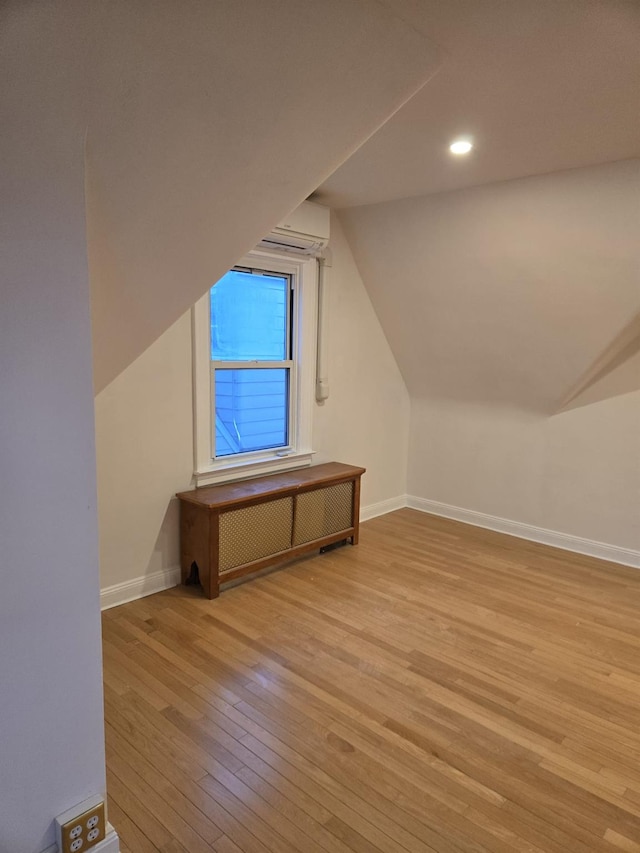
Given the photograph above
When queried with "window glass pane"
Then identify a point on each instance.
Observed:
(249, 317)
(251, 409)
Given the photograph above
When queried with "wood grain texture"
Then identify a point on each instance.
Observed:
(259, 489)
(206, 512)
(439, 688)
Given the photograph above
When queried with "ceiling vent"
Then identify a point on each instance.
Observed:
(305, 231)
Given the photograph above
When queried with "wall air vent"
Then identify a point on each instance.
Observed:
(304, 232)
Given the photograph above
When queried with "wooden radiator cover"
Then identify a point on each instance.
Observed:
(231, 530)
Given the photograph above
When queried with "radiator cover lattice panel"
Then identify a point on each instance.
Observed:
(254, 532)
(323, 512)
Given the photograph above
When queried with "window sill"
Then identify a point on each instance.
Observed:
(227, 473)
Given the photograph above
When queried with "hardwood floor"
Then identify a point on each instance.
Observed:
(436, 688)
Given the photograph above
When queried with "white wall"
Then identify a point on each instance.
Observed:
(51, 729)
(365, 420)
(496, 301)
(577, 473)
(144, 428)
(144, 442)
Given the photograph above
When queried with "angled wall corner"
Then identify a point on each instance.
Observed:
(365, 420)
(504, 294)
(616, 371)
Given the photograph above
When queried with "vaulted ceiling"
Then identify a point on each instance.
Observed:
(524, 291)
(522, 294)
(206, 124)
(541, 85)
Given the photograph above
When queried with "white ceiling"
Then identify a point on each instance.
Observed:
(541, 85)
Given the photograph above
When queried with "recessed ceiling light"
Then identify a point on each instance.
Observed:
(460, 146)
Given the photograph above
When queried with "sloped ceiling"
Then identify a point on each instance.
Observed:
(207, 123)
(541, 85)
(521, 294)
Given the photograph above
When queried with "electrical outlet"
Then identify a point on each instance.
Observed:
(82, 828)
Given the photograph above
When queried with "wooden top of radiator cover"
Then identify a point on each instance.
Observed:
(288, 482)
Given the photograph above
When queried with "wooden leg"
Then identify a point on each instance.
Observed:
(212, 589)
(185, 569)
(210, 583)
(356, 511)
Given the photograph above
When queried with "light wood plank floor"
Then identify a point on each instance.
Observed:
(437, 688)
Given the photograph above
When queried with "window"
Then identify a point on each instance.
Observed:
(254, 358)
(251, 364)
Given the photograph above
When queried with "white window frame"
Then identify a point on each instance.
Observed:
(298, 453)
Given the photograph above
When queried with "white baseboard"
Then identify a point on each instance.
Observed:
(110, 844)
(121, 593)
(614, 553)
(382, 507)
